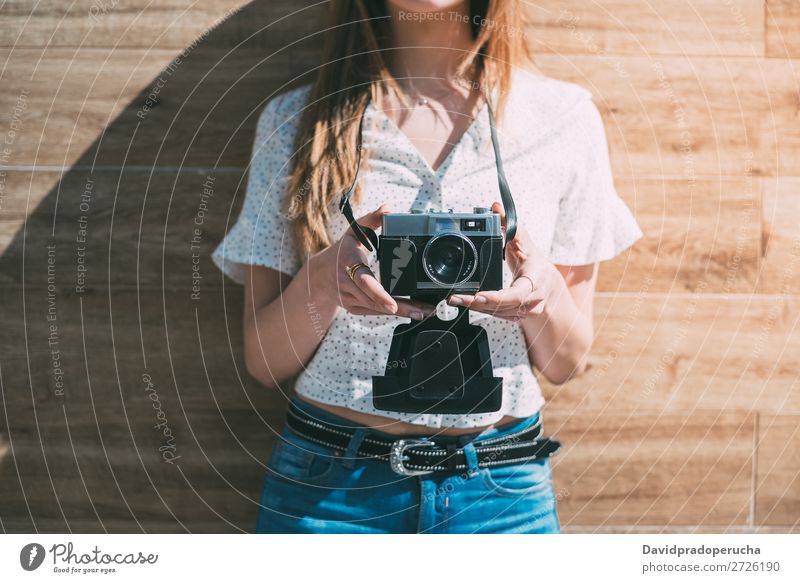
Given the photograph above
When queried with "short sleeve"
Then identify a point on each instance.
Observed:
(262, 234)
(593, 223)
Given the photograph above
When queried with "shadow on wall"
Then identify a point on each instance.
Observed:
(126, 405)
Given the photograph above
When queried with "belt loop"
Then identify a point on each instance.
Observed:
(349, 458)
(472, 459)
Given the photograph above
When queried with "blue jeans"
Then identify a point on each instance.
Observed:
(310, 488)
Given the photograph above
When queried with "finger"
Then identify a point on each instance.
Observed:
(533, 304)
(359, 297)
(523, 309)
(520, 287)
(362, 311)
(355, 297)
(366, 282)
(408, 309)
(525, 282)
(538, 308)
(509, 297)
(514, 314)
(362, 306)
(417, 305)
(472, 302)
(422, 305)
(405, 307)
(516, 252)
(476, 304)
(463, 301)
(374, 219)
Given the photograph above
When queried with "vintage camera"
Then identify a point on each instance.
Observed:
(428, 256)
(434, 254)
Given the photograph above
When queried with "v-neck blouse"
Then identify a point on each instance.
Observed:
(380, 117)
(556, 160)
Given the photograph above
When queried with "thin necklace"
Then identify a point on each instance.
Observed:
(422, 100)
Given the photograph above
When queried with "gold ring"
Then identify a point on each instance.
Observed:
(351, 269)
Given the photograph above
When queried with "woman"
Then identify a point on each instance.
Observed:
(420, 76)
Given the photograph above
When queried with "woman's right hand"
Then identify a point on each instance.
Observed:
(363, 295)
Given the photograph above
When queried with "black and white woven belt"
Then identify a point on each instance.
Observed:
(414, 457)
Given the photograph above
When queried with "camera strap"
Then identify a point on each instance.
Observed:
(365, 235)
(505, 190)
(369, 238)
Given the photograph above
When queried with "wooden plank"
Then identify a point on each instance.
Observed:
(174, 23)
(612, 27)
(97, 106)
(783, 28)
(109, 469)
(696, 230)
(63, 99)
(191, 350)
(167, 24)
(604, 27)
(780, 271)
(116, 376)
(646, 470)
(695, 117)
(84, 525)
(120, 227)
(778, 484)
(695, 352)
(678, 530)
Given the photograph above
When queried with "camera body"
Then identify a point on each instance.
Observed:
(434, 254)
(428, 256)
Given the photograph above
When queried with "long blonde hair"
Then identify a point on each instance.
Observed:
(353, 72)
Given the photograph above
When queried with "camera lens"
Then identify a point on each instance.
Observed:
(449, 259)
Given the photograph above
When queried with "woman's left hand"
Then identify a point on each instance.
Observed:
(533, 284)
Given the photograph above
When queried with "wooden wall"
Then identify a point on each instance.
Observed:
(688, 418)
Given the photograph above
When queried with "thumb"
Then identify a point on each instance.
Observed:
(374, 219)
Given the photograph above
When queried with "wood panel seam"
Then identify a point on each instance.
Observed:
(754, 471)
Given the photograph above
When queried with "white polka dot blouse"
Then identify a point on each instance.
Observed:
(556, 160)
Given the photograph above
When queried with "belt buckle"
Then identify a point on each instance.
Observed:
(397, 456)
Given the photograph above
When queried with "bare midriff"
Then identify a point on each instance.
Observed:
(395, 427)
